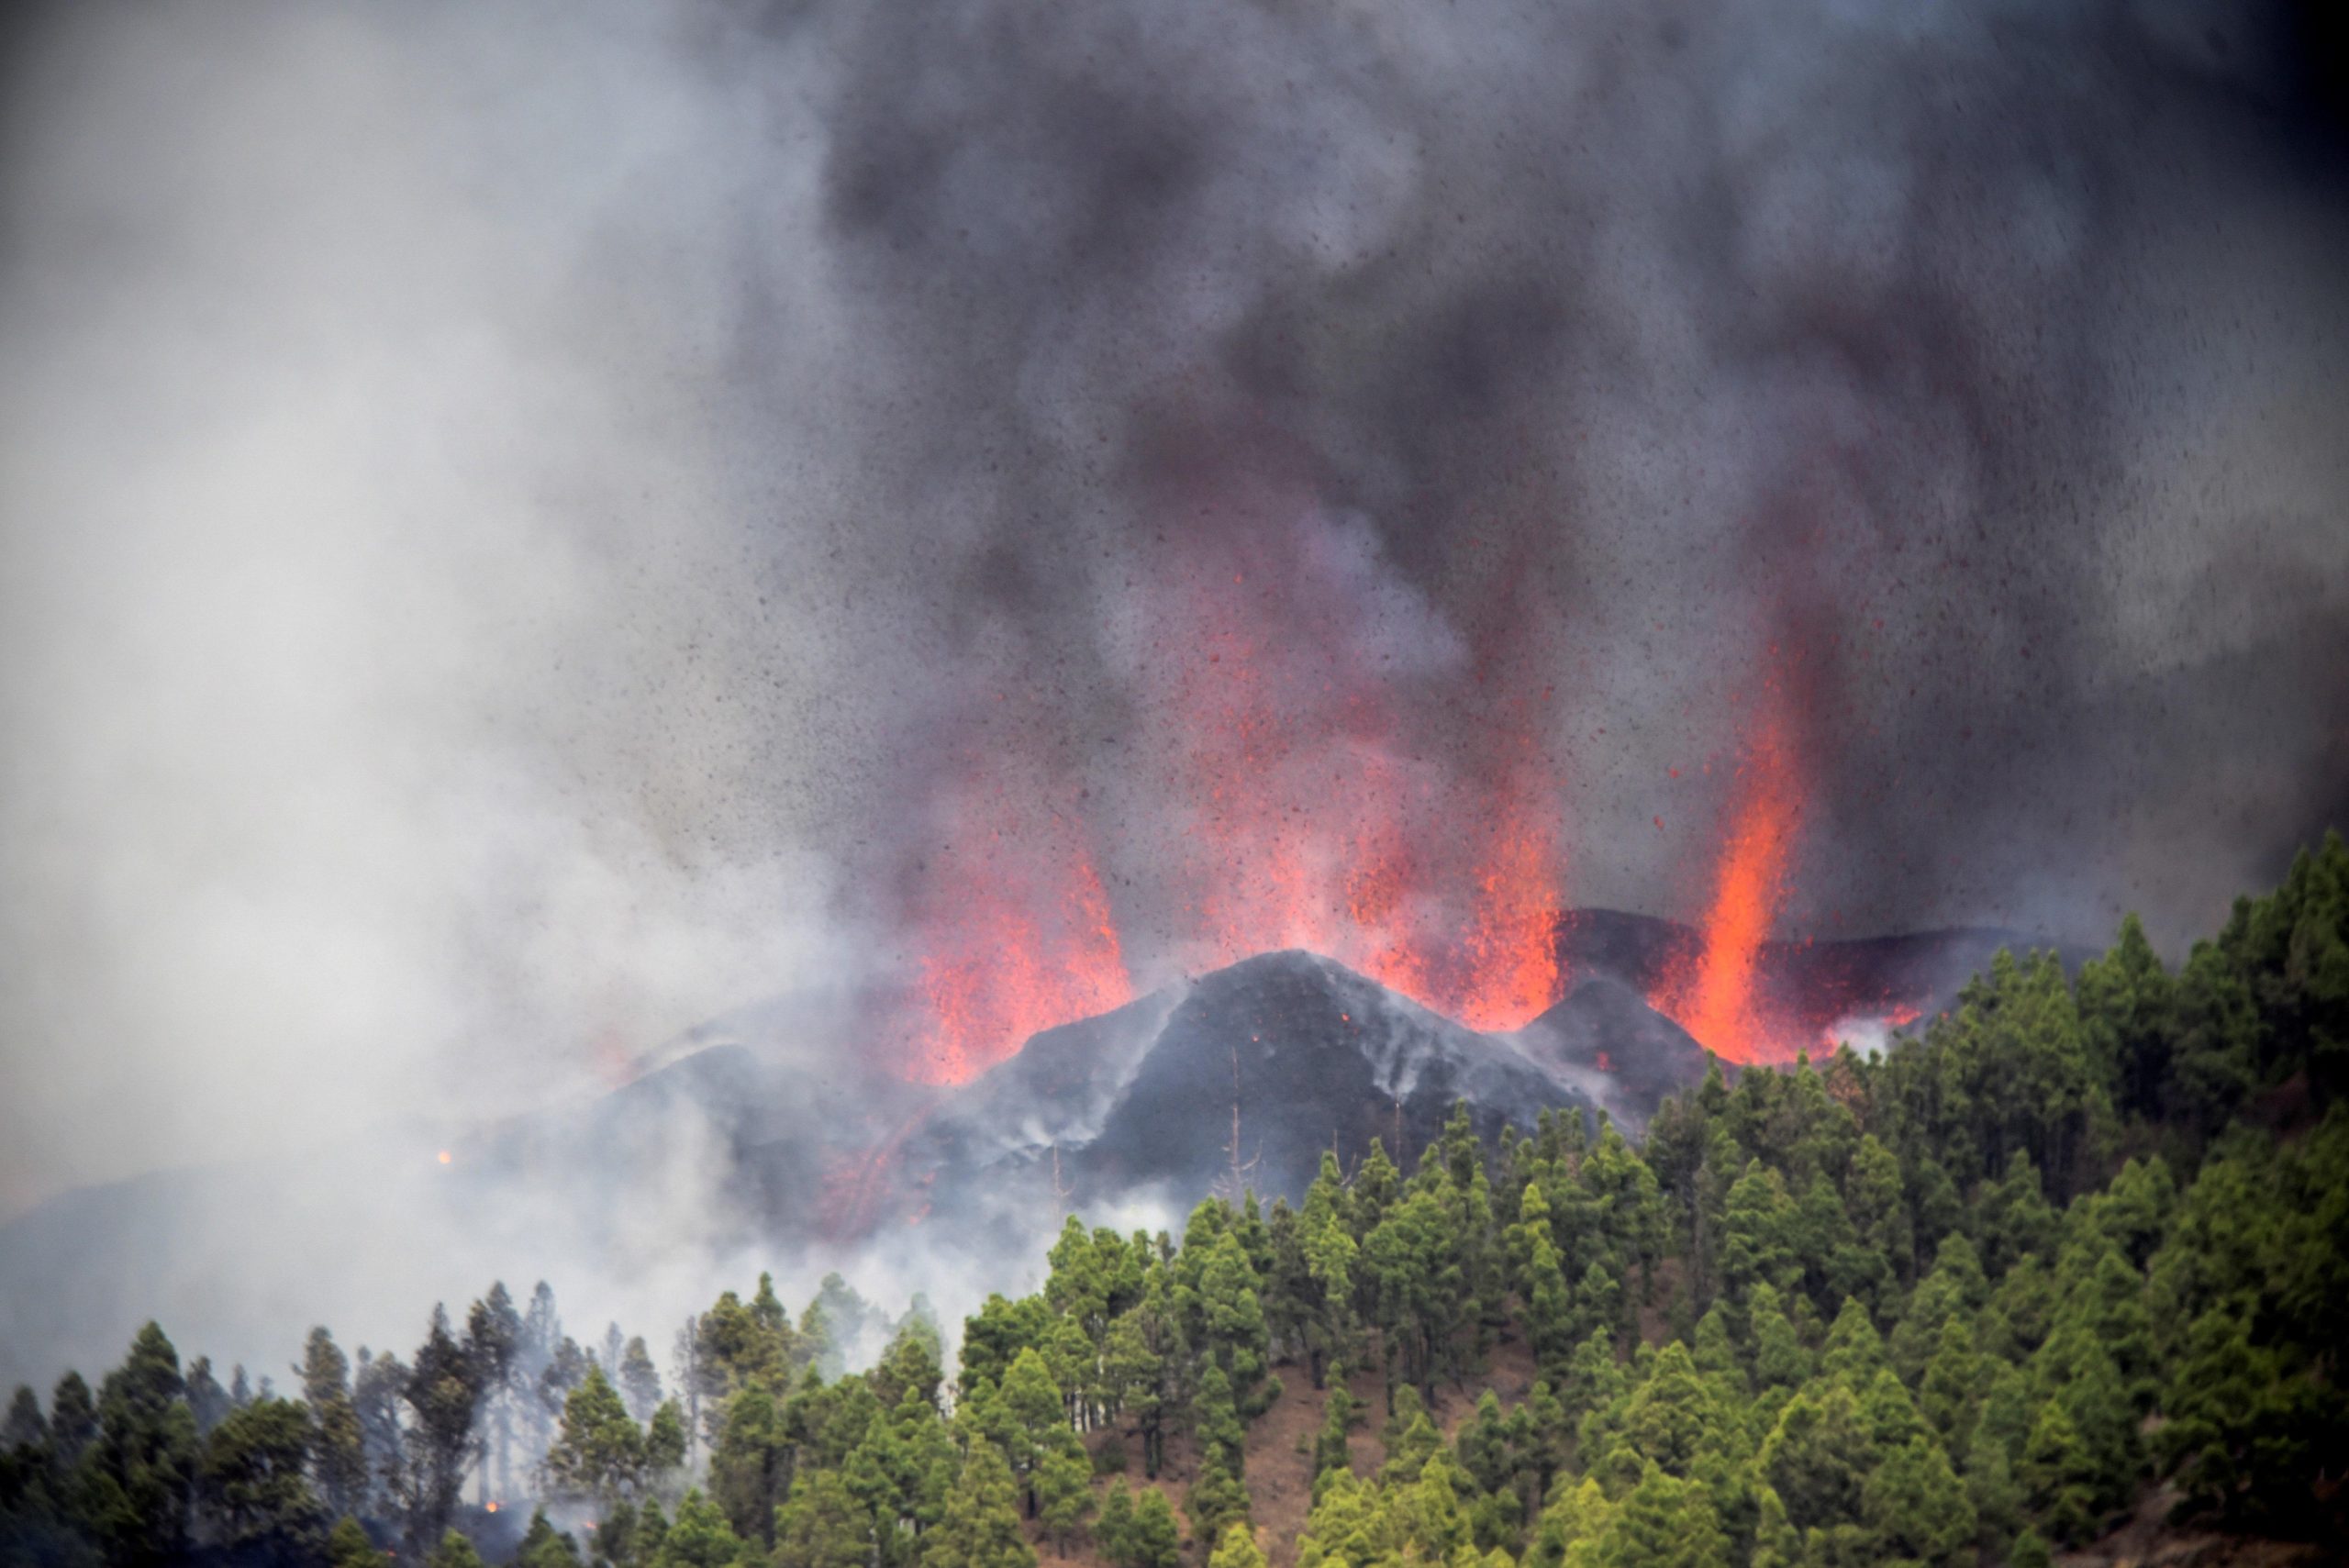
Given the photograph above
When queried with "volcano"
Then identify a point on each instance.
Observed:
(784, 1135)
(1242, 1077)
(1238, 1080)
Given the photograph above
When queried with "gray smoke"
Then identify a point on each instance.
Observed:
(525, 526)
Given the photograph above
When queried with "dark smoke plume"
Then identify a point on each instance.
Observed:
(1977, 372)
(525, 525)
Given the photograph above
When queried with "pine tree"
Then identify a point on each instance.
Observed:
(701, 1538)
(206, 1400)
(2241, 1433)
(1113, 1531)
(1775, 1544)
(545, 1547)
(141, 1468)
(664, 1442)
(1033, 1415)
(638, 1379)
(1854, 1351)
(1217, 1498)
(1154, 1540)
(750, 1463)
(822, 1526)
(338, 1457)
(1818, 1456)
(1339, 1413)
(252, 1480)
(1672, 1416)
(1917, 1507)
(348, 1547)
(599, 1452)
(443, 1390)
(25, 1426)
(1064, 1492)
(981, 1529)
(455, 1551)
(1953, 1385)
(1216, 1420)
(1237, 1549)
(1779, 1359)
(1662, 1523)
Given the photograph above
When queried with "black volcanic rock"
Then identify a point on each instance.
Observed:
(1138, 1107)
(1605, 1036)
(1814, 983)
(1313, 1057)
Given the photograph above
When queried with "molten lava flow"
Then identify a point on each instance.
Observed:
(857, 1185)
(1713, 998)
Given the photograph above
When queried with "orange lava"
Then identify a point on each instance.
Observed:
(1307, 826)
(1028, 946)
(857, 1185)
(1512, 948)
(1286, 744)
(1712, 995)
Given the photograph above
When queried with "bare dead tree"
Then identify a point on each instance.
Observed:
(1233, 1185)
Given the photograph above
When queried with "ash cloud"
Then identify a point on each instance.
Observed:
(1915, 361)
(519, 528)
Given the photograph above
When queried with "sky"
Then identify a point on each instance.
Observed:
(525, 529)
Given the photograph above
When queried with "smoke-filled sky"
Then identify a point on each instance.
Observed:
(525, 526)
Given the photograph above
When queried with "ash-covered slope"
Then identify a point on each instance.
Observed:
(1240, 1078)
(1298, 1054)
(1604, 1038)
(777, 1136)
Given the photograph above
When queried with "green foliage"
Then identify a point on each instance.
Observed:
(348, 1547)
(700, 1538)
(1237, 1549)
(1217, 1498)
(1916, 1506)
(253, 1482)
(1663, 1522)
(455, 1551)
(1064, 1493)
(981, 1527)
(543, 1546)
(1946, 1307)
(137, 1475)
(751, 1464)
(599, 1452)
(823, 1525)
(1154, 1540)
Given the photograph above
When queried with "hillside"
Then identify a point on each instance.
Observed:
(2066, 1276)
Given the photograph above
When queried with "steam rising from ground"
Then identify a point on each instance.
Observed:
(523, 525)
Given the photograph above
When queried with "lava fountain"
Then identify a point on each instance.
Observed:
(1712, 993)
